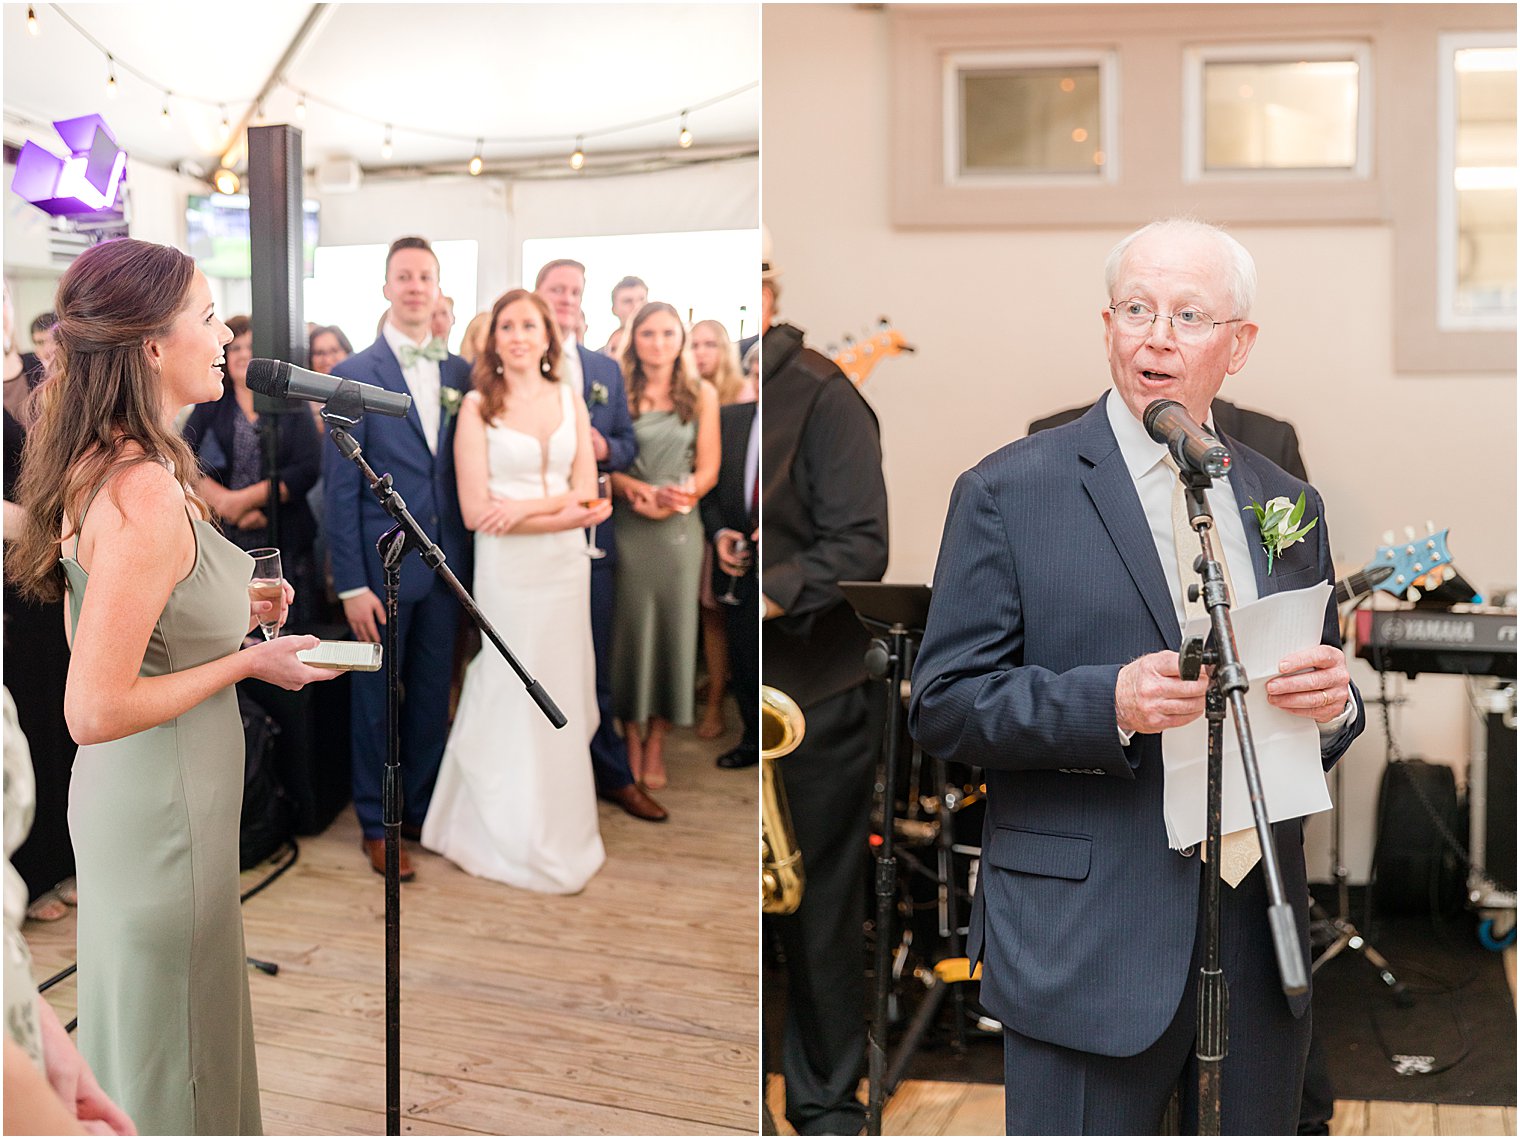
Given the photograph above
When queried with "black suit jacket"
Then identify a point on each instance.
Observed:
(1274, 438)
(725, 507)
(824, 505)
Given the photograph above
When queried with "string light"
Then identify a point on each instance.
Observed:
(226, 181)
(477, 164)
(226, 126)
(578, 159)
(110, 77)
(385, 147)
(301, 108)
(164, 119)
(31, 21)
(684, 139)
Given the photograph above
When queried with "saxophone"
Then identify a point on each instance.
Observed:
(782, 727)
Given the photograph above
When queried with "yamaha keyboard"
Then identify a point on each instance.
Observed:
(1411, 641)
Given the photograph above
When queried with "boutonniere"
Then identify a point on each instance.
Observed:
(598, 394)
(449, 399)
(1279, 522)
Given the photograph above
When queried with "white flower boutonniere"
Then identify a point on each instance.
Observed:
(598, 394)
(1279, 522)
(449, 399)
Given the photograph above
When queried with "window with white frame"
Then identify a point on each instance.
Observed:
(1476, 192)
(1017, 116)
(1256, 110)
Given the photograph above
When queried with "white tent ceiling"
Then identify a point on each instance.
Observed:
(527, 78)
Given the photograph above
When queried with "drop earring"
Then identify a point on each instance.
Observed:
(543, 364)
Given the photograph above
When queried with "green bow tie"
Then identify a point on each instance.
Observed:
(435, 349)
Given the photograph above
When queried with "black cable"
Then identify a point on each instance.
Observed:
(295, 854)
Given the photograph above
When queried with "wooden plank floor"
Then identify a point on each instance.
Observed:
(929, 1107)
(630, 1008)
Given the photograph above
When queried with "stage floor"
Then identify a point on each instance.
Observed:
(627, 1009)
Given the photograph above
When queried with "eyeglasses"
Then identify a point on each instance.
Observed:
(1189, 324)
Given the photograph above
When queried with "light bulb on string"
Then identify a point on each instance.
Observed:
(163, 119)
(110, 77)
(385, 147)
(684, 138)
(31, 21)
(577, 159)
(477, 164)
(301, 107)
(226, 180)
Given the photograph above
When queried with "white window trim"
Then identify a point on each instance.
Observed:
(1107, 63)
(1447, 318)
(1195, 58)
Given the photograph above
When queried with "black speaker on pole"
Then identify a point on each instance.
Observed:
(279, 328)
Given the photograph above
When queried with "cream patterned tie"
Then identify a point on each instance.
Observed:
(1238, 850)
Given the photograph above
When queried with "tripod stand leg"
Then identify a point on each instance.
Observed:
(934, 996)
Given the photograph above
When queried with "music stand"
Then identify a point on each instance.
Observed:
(894, 615)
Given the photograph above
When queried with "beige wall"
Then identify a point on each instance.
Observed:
(1007, 327)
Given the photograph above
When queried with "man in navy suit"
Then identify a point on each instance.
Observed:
(418, 453)
(1050, 660)
(561, 284)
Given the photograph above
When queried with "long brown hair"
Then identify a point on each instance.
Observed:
(99, 411)
(486, 375)
(684, 387)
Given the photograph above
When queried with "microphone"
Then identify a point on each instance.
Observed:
(280, 380)
(1167, 421)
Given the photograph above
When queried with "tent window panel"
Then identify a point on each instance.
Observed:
(1281, 115)
(1032, 120)
(1481, 217)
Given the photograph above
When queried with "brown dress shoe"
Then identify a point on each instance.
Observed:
(375, 848)
(638, 803)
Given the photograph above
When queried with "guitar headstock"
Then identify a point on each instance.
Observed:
(859, 357)
(1418, 563)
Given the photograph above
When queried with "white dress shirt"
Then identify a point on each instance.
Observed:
(570, 364)
(1154, 479)
(422, 379)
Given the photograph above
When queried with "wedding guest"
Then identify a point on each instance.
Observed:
(158, 606)
(675, 419)
(525, 816)
(42, 336)
(227, 437)
(443, 319)
(328, 348)
(474, 338)
(34, 632)
(628, 296)
(418, 451)
(717, 362)
(561, 283)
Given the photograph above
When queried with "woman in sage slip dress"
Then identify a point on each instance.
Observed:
(158, 603)
(659, 537)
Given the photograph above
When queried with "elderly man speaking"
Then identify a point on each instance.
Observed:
(1050, 660)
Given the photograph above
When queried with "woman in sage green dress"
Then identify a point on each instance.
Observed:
(158, 604)
(659, 537)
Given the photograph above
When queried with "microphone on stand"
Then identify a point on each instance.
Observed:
(280, 380)
(1194, 448)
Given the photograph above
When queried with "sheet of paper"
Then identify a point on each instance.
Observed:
(1287, 746)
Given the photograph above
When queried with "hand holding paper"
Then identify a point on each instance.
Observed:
(1277, 634)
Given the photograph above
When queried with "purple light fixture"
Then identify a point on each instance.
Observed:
(85, 181)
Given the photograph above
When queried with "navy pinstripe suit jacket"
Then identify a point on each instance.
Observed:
(1048, 582)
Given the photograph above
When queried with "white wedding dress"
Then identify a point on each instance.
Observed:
(515, 799)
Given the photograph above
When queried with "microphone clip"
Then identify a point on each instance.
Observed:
(345, 407)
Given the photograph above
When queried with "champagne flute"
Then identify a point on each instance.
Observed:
(603, 494)
(268, 584)
(686, 488)
(741, 553)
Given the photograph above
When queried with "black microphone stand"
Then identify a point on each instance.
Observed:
(1228, 683)
(344, 410)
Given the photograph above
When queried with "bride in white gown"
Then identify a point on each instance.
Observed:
(515, 800)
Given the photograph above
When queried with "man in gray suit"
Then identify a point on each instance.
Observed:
(1050, 660)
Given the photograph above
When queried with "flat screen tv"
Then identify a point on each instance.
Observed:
(217, 235)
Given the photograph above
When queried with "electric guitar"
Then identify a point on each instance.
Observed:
(1403, 569)
(860, 357)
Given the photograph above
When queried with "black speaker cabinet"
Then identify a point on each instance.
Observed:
(1491, 795)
